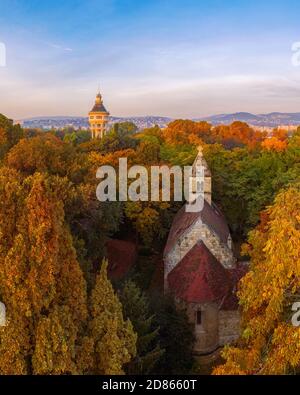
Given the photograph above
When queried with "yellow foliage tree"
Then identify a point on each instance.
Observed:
(44, 291)
(114, 338)
(147, 218)
(270, 344)
(41, 282)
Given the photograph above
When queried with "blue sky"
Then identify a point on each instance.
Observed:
(154, 57)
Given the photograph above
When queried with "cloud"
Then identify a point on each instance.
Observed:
(57, 46)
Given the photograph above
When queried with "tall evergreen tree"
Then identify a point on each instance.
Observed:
(114, 338)
(177, 337)
(41, 282)
(136, 308)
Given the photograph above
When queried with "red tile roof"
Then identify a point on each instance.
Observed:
(199, 277)
(235, 275)
(210, 215)
(121, 257)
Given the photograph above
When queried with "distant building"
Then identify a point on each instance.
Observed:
(288, 128)
(98, 118)
(201, 272)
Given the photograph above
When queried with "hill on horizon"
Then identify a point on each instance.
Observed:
(272, 119)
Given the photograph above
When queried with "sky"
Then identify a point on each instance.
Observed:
(182, 59)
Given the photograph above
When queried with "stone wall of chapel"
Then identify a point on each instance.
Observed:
(229, 326)
(206, 334)
(197, 232)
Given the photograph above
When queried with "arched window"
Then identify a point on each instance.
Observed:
(229, 242)
(199, 317)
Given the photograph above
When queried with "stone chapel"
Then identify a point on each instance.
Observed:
(202, 273)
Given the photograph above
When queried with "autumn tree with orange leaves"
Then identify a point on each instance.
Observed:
(236, 134)
(277, 142)
(274, 144)
(186, 132)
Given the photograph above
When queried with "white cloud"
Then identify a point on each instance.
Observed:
(57, 46)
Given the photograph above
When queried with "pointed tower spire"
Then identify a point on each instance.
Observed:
(200, 161)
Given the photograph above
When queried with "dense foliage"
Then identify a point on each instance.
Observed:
(65, 317)
(270, 344)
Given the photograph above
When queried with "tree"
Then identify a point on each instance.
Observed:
(53, 230)
(114, 338)
(270, 344)
(124, 128)
(182, 155)
(77, 137)
(44, 290)
(174, 325)
(136, 308)
(230, 184)
(149, 219)
(97, 159)
(148, 152)
(10, 134)
(41, 282)
(120, 137)
(153, 134)
(184, 132)
(280, 134)
(238, 134)
(47, 154)
(251, 178)
(55, 345)
(274, 144)
(90, 221)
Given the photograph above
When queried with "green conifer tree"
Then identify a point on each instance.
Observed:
(136, 308)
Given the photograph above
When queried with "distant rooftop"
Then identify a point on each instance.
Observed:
(98, 106)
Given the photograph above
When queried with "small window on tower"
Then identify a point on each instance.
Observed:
(199, 317)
